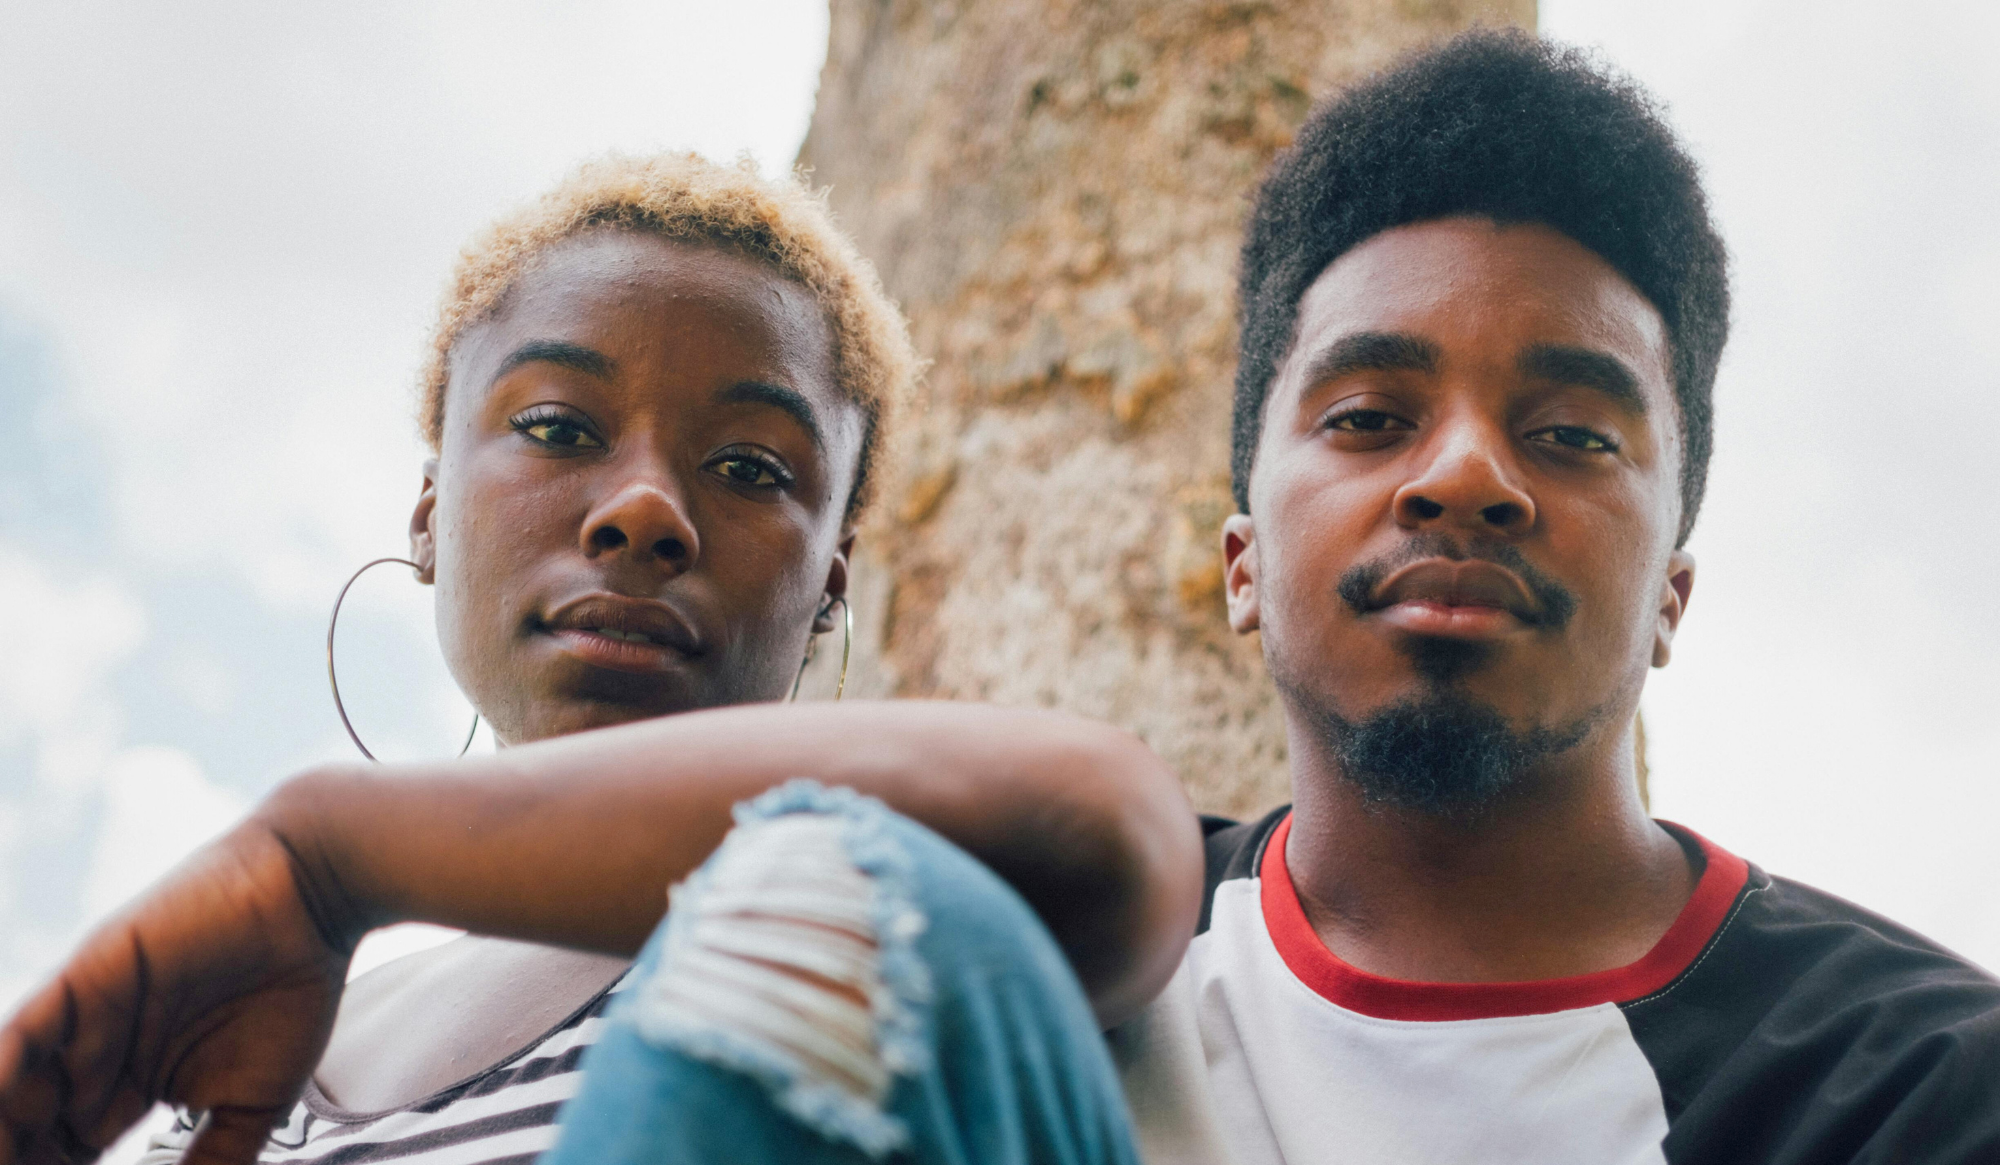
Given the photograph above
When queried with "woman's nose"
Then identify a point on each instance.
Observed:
(1471, 482)
(644, 519)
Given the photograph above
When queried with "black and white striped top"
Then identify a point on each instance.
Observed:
(504, 1115)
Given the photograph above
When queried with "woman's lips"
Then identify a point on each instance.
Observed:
(623, 633)
(610, 650)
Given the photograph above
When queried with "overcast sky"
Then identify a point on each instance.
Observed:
(223, 228)
(1833, 711)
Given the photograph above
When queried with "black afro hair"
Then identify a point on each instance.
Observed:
(1503, 125)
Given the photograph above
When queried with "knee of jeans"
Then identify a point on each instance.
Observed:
(789, 957)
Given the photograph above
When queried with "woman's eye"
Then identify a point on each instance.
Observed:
(559, 432)
(1572, 437)
(1367, 421)
(749, 471)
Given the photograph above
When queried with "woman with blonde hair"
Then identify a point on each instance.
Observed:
(657, 405)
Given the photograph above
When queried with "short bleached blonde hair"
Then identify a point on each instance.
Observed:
(686, 197)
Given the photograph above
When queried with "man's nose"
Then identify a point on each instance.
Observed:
(1471, 481)
(644, 518)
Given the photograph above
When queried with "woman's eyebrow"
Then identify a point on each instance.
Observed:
(1586, 368)
(588, 361)
(790, 401)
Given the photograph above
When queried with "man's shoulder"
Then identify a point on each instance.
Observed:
(1787, 942)
(1851, 1032)
(1887, 984)
(1819, 923)
(1232, 849)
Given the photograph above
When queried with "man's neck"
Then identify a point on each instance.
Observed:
(1566, 876)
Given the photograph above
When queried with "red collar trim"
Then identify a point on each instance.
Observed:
(1384, 998)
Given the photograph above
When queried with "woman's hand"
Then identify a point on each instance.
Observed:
(215, 991)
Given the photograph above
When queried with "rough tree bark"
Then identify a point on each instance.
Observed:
(1053, 190)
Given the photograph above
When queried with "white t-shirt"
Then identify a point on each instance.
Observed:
(1772, 1023)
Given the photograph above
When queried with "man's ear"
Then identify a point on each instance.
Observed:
(836, 584)
(1674, 594)
(423, 538)
(1239, 573)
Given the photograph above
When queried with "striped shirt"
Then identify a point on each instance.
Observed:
(504, 1115)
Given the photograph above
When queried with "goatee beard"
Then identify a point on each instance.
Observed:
(1441, 754)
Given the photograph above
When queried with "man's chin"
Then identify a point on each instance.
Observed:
(1443, 753)
(1445, 662)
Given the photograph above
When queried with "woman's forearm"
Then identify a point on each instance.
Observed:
(574, 841)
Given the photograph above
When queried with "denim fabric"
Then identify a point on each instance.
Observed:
(996, 1054)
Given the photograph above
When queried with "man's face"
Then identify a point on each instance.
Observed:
(1466, 490)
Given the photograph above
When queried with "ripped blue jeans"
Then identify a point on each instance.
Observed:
(838, 984)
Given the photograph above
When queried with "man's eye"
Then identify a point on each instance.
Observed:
(748, 471)
(1573, 437)
(1367, 421)
(559, 432)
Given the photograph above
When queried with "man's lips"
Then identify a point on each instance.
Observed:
(1458, 598)
(623, 633)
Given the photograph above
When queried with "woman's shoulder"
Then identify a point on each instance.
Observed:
(432, 1020)
(505, 1108)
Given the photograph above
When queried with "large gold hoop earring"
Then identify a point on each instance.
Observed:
(846, 649)
(333, 680)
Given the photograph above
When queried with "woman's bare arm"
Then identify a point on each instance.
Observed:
(573, 841)
(216, 989)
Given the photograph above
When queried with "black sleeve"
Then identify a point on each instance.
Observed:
(1232, 850)
(1812, 1031)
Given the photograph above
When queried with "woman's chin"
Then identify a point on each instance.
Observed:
(562, 700)
(583, 716)
(584, 712)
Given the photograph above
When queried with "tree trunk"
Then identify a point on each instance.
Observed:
(1054, 192)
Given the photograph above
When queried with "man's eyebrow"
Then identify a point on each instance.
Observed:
(1371, 352)
(1585, 368)
(562, 353)
(787, 400)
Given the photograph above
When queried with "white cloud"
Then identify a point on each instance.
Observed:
(159, 807)
(237, 219)
(63, 638)
(225, 225)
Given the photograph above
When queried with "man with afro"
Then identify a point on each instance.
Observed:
(1482, 307)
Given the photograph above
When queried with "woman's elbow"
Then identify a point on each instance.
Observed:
(1140, 852)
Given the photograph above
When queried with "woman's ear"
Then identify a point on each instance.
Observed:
(1239, 573)
(1673, 604)
(423, 537)
(836, 584)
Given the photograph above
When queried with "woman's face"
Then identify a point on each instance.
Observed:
(639, 502)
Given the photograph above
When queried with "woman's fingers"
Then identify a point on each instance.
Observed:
(35, 1122)
(216, 990)
(32, 1081)
(127, 1108)
(100, 1041)
(63, 1060)
(231, 1136)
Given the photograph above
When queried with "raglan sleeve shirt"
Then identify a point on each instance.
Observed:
(1773, 1024)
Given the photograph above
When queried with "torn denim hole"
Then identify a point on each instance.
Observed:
(790, 957)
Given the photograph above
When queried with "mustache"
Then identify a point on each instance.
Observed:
(1555, 602)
